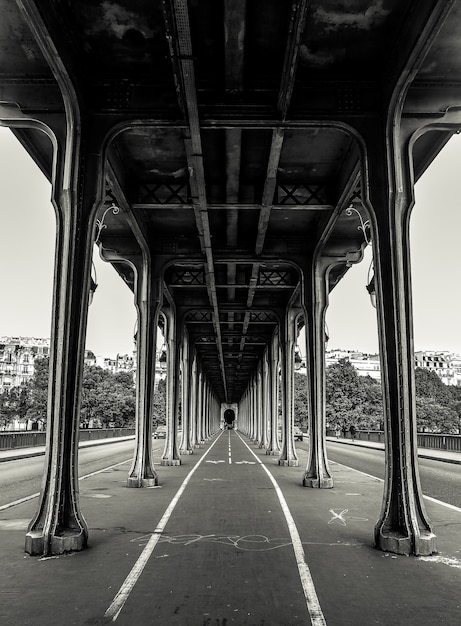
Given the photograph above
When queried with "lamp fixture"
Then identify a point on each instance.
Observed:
(298, 358)
(93, 283)
(371, 285)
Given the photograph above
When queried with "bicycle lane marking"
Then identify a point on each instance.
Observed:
(312, 601)
(123, 593)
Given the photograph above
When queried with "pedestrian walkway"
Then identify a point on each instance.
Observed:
(214, 544)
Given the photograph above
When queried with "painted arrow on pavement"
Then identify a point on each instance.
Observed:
(215, 462)
(246, 462)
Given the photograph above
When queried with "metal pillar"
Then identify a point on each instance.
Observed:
(273, 447)
(186, 446)
(252, 408)
(315, 299)
(403, 526)
(204, 412)
(170, 454)
(265, 400)
(58, 525)
(193, 402)
(259, 407)
(148, 294)
(200, 439)
(288, 454)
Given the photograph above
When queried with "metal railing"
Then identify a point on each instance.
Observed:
(425, 440)
(25, 439)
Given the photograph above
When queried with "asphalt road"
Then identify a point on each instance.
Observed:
(438, 479)
(21, 478)
(229, 536)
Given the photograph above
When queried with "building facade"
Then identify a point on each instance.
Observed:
(445, 364)
(18, 356)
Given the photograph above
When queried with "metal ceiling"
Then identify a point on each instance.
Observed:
(231, 140)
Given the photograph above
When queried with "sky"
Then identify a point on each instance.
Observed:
(27, 242)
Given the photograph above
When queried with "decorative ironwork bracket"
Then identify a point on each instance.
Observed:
(100, 223)
(364, 225)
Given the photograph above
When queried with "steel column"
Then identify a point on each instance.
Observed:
(58, 525)
(186, 417)
(288, 454)
(148, 303)
(170, 454)
(315, 300)
(403, 526)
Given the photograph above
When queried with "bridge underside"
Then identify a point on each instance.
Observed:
(232, 160)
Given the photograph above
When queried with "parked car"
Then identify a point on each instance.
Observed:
(160, 432)
(298, 433)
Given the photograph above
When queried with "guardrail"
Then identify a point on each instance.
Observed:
(30, 438)
(425, 440)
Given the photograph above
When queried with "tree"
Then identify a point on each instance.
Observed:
(435, 418)
(106, 397)
(300, 400)
(372, 410)
(14, 404)
(37, 411)
(437, 405)
(345, 396)
(92, 390)
(429, 385)
(353, 400)
(159, 410)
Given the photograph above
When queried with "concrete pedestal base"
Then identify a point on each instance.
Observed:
(318, 483)
(288, 463)
(135, 482)
(170, 462)
(273, 452)
(36, 544)
(424, 545)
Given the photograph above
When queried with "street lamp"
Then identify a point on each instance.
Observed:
(93, 283)
(298, 359)
(371, 285)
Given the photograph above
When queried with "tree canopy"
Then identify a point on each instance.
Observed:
(353, 400)
(107, 399)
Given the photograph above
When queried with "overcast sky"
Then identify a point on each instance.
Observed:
(27, 241)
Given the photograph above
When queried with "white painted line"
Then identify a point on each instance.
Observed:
(9, 505)
(445, 504)
(104, 469)
(312, 601)
(434, 500)
(122, 596)
(230, 449)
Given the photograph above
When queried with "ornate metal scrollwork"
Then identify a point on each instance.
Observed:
(364, 225)
(100, 223)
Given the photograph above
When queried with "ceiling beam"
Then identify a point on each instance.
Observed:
(178, 27)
